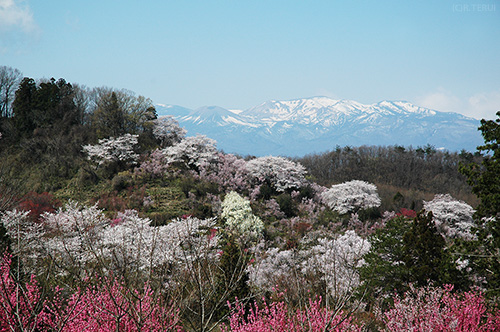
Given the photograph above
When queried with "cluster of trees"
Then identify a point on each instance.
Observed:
(416, 173)
(44, 123)
(151, 230)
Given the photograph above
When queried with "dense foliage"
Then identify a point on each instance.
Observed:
(112, 219)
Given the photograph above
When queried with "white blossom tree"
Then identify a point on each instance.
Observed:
(329, 267)
(275, 267)
(167, 130)
(120, 149)
(453, 218)
(337, 260)
(191, 151)
(238, 215)
(281, 173)
(351, 196)
(74, 239)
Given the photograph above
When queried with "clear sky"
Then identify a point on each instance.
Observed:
(239, 53)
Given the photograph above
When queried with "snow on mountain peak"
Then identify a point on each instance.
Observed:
(299, 126)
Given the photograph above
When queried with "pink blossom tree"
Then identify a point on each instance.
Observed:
(106, 305)
(438, 309)
(22, 308)
(111, 306)
(226, 170)
(276, 316)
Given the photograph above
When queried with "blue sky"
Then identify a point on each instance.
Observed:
(239, 53)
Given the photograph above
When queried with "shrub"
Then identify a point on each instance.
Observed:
(438, 309)
(239, 217)
(37, 204)
(277, 317)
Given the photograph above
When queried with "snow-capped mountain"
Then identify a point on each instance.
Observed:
(301, 126)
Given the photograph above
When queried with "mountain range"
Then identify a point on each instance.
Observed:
(319, 124)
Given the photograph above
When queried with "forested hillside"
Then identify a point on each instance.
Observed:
(113, 219)
(405, 176)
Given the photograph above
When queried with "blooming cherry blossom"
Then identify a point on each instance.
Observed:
(191, 151)
(226, 170)
(453, 218)
(351, 196)
(282, 173)
(337, 261)
(167, 130)
(275, 267)
(113, 149)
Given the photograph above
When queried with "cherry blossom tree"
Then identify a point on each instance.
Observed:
(191, 151)
(273, 268)
(453, 218)
(337, 262)
(80, 239)
(279, 172)
(74, 241)
(167, 130)
(329, 267)
(119, 149)
(351, 196)
(226, 170)
(154, 166)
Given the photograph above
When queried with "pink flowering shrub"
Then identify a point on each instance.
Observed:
(277, 317)
(107, 306)
(21, 308)
(110, 306)
(438, 309)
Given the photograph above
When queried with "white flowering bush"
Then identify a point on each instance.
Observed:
(337, 261)
(119, 149)
(238, 215)
(281, 173)
(453, 218)
(167, 130)
(191, 151)
(351, 196)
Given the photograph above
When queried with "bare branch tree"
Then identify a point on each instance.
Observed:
(9, 80)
